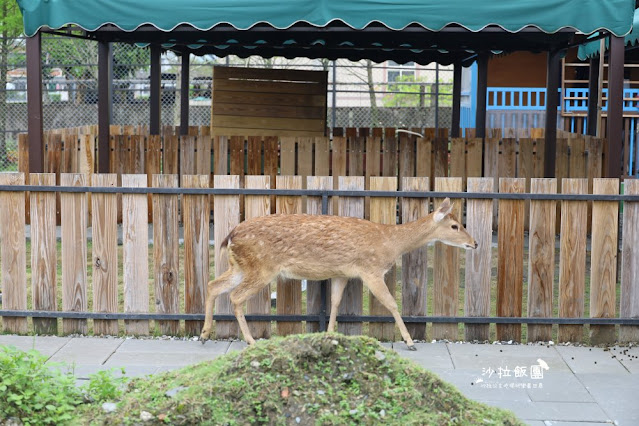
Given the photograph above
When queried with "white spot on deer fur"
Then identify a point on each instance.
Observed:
(236, 279)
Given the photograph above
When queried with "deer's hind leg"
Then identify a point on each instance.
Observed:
(221, 284)
(251, 284)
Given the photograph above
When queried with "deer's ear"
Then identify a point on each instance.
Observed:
(445, 208)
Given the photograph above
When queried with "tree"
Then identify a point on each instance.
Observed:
(10, 28)
(409, 91)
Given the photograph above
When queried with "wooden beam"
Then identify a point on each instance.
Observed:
(457, 75)
(482, 89)
(615, 107)
(105, 103)
(184, 94)
(593, 96)
(156, 89)
(552, 102)
(34, 104)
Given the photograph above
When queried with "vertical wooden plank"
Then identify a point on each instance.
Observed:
(507, 159)
(352, 299)
(13, 252)
(196, 249)
(577, 159)
(424, 157)
(510, 267)
(166, 253)
(43, 253)
(74, 253)
(389, 155)
(236, 149)
(383, 210)
(220, 155)
(152, 163)
(630, 264)
(187, 155)
(541, 258)
(313, 288)
(415, 263)
(305, 157)
(491, 161)
(170, 155)
(373, 167)
(407, 154)
(446, 270)
(254, 155)
(203, 155)
(104, 218)
(356, 147)
(474, 157)
(572, 259)
(339, 164)
(440, 158)
(289, 292)
(478, 262)
(256, 206)
(322, 157)
(271, 161)
(603, 263)
(458, 158)
(525, 170)
(135, 253)
(287, 154)
(226, 216)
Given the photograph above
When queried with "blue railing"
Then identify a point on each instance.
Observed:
(524, 107)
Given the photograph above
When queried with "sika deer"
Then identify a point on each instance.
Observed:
(322, 247)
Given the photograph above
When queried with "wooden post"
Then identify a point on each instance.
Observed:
(43, 253)
(313, 288)
(482, 91)
(155, 101)
(289, 291)
(630, 264)
(383, 210)
(105, 102)
(415, 263)
(479, 224)
(615, 108)
(256, 206)
(593, 94)
(104, 218)
(457, 83)
(166, 252)
(572, 259)
(446, 270)
(510, 266)
(603, 262)
(226, 216)
(184, 93)
(196, 250)
(552, 102)
(135, 253)
(541, 260)
(13, 252)
(34, 103)
(352, 301)
(74, 252)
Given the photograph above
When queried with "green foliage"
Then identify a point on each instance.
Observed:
(408, 88)
(10, 19)
(105, 386)
(33, 392)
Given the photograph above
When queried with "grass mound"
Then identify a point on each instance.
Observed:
(306, 379)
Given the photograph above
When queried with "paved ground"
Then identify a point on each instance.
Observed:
(555, 385)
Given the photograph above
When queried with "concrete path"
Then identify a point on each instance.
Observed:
(543, 385)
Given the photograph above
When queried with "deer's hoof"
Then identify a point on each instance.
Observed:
(412, 348)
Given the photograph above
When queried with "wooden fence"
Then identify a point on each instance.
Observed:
(533, 279)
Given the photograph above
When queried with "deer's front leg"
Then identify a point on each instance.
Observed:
(337, 290)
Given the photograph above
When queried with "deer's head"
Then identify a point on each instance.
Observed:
(449, 230)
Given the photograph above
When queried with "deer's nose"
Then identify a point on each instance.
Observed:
(476, 244)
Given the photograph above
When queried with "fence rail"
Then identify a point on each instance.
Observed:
(105, 280)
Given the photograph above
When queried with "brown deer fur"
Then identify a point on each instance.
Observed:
(322, 247)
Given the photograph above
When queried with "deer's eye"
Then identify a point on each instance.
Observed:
(455, 227)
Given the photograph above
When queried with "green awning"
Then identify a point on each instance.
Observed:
(549, 16)
(591, 50)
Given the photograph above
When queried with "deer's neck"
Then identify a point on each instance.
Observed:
(413, 235)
